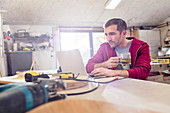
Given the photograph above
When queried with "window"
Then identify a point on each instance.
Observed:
(87, 41)
(76, 40)
(98, 39)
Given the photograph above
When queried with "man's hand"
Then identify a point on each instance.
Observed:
(102, 71)
(111, 63)
(108, 72)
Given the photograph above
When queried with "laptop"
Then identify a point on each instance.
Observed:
(71, 61)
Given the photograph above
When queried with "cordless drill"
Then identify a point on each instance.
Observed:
(22, 97)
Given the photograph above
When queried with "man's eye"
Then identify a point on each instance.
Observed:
(105, 34)
(112, 33)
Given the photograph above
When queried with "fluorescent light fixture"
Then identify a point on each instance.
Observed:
(3, 11)
(112, 4)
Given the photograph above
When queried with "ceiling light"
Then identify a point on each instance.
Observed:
(3, 11)
(111, 4)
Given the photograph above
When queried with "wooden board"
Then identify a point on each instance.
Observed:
(85, 106)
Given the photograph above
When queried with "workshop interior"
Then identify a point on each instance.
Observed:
(46, 44)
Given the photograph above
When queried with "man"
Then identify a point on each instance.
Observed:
(106, 61)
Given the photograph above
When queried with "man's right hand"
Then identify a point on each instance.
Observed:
(111, 63)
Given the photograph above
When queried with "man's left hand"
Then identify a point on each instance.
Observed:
(102, 71)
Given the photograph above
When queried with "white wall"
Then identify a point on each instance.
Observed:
(46, 60)
(152, 37)
(164, 30)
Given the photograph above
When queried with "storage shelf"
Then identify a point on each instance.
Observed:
(29, 40)
(164, 57)
(167, 45)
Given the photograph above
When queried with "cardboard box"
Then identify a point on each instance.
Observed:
(165, 78)
(156, 78)
(155, 68)
(159, 67)
(167, 82)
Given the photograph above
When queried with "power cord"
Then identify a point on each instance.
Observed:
(84, 80)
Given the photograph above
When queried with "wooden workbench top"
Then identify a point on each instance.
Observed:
(127, 95)
(85, 106)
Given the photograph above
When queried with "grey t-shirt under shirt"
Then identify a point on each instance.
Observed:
(120, 51)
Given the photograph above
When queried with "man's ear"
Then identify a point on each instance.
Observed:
(124, 32)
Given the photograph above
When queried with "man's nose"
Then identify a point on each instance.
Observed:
(109, 38)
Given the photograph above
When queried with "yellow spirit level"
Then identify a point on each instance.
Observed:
(160, 60)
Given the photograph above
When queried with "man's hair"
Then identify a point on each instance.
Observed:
(121, 24)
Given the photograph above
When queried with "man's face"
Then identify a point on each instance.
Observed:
(113, 36)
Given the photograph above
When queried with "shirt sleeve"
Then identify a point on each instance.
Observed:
(97, 58)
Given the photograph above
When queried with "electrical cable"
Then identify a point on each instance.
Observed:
(83, 80)
(83, 92)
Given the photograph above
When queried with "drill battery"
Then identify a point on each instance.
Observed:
(66, 75)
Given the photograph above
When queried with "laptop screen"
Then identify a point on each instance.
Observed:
(71, 61)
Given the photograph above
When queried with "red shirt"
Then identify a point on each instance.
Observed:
(140, 58)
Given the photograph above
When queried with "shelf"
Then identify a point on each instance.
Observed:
(164, 57)
(29, 40)
(167, 45)
(18, 51)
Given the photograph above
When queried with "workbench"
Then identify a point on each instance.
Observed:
(124, 96)
(130, 95)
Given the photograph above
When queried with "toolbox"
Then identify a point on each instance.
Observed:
(21, 33)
